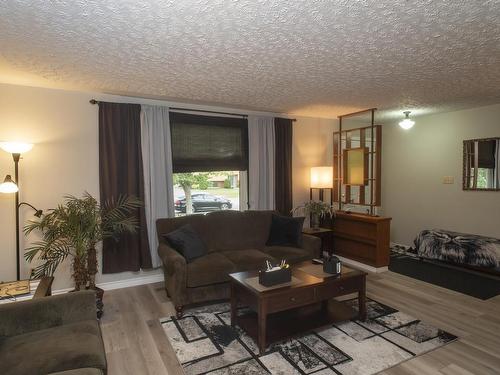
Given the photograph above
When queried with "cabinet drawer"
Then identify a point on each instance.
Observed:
(335, 289)
(291, 300)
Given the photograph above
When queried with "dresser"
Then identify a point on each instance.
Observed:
(362, 238)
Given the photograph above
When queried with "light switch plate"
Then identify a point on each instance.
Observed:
(448, 180)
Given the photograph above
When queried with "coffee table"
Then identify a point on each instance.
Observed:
(278, 313)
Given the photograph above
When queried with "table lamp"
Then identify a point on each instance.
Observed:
(321, 178)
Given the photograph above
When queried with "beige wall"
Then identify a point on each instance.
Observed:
(63, 127)
(414, 164)
(312, 147)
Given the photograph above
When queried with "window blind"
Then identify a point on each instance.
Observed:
(208, 143)
(486, 157)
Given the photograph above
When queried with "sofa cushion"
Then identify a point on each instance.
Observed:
(209, 269)
(285, 231)
(290, 254)
(187, 242)
(249, 259)
(198, 222)
(234, 230)
(60, 348)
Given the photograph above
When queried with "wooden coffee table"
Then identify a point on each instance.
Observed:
(306, 304)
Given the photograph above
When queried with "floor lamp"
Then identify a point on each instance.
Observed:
(10, 186)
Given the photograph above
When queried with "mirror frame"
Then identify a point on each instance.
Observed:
(465, 187)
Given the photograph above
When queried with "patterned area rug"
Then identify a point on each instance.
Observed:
(204, 342)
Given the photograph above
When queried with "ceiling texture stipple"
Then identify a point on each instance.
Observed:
(315, 58)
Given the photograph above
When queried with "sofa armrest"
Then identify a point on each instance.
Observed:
(17, 318)
(312, 244)
(175, 266)
(172, 260)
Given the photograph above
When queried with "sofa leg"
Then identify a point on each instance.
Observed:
(179, 311)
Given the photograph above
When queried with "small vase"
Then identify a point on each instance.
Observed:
(315, 221)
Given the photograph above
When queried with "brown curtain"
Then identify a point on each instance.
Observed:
(283, 130)
(120, 173)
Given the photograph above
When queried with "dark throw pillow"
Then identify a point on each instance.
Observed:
(285, 231)
(187, 242)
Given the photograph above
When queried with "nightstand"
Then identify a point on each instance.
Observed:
(326, 236)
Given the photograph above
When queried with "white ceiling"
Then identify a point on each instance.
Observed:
(310, 57)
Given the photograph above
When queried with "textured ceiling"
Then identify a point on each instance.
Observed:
(310, 57)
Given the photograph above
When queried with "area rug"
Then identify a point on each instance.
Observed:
(205, 343)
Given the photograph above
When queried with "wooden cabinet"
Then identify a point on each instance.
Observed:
(362, 238)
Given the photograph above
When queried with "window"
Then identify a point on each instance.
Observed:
(210, 191)
(210, 163)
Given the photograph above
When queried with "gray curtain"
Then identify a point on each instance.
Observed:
(261, 175)
(157, 166)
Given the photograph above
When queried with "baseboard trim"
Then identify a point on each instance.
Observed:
(120, 284)
(362, 266)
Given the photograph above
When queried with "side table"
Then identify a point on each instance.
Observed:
(38, 288)
(326, 236)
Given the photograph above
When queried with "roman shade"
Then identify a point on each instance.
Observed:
(208, 143)
(486, 155)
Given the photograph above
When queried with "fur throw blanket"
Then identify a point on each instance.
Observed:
(458, 248)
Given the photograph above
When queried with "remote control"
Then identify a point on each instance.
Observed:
(317, 261)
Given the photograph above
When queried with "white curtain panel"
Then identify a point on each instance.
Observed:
(157, 165)
(261, 162)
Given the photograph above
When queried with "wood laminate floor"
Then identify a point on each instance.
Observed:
(135, 343)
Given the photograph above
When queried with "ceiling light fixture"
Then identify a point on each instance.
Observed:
(407, 123)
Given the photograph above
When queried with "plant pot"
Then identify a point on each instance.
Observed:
(314, 221)
(99, 304)
(99, 294)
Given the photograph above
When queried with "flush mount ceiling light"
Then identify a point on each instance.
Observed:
(407, 123)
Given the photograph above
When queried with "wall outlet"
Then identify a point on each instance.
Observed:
(448, 180)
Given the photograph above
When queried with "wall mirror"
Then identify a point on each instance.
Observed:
(481, 160)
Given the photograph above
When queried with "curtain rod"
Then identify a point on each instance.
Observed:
(93, 101)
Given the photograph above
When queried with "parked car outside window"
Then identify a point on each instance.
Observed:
(203, 203)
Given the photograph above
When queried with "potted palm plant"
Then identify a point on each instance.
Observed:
(73, 230)
(317, 210)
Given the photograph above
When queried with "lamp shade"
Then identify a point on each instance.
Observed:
(8, 186)
(16, 147)
(322, 177)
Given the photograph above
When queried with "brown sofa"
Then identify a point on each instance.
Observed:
(52, 335)
(236, 242)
